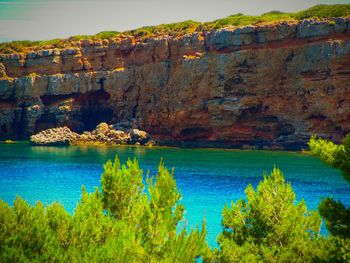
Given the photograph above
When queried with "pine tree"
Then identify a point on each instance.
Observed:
(269, 226)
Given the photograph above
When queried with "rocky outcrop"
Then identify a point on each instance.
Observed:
(54, 137)
(103, 134)
(266, 86)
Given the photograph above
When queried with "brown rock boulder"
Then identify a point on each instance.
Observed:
(118, 137)
(54, 136)
(102, 129)
(138, 136)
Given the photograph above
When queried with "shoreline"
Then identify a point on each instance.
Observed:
(158, 146)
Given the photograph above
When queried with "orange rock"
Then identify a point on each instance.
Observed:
(271, 85)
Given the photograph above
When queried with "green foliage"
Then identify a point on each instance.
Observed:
(334, 213)
(26, 45)
(243, 20)
(174, 29)
(269, 226)
(107, 34)
(324, 11)
(122, 188)
(98, 36)
(182, 28)
(127, 221)
(326, 150)
(337, 249)
(337, 217)
(333, 154)
(121, 223)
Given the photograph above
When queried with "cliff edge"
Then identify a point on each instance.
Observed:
(269, 85)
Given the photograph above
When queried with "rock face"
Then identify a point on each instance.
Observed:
(103, 134)
(265, 86)
(54, 136)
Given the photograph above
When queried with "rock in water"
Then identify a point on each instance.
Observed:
(103, 134)
(54, 136)
(138, 136)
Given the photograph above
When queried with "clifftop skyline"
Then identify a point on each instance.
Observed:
(37, 19)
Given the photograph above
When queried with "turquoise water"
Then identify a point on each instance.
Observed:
(207, 178)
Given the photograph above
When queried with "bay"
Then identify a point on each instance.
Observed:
(207, 178)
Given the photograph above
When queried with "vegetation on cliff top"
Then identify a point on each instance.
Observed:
(124, 222)
(182, 28)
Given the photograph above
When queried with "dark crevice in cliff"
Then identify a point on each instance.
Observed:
(46, 121)
(285, 129)
(318, 116)
(250, 113)
(169, 49)
(3, 128)
(269, 119)
(205, 41)
(195, 133)
(290, 56)
(316, 75)
(20, 124)
(167, 77)
(94, 108)
(244, 67)
(48, 100)
(101, 82)
(344, 73)
(137, 103)
(88, 109)
(168, 100)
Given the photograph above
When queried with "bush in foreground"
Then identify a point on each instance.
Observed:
(337, 217)
(334, 213)
(269, 226)
(121, 223)
(127, 221)
(336, 155)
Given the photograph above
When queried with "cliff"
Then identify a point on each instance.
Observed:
(268, 85)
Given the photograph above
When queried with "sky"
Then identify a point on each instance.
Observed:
(48, 19)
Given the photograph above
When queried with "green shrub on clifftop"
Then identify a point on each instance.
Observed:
(182, 28)
(324, 11)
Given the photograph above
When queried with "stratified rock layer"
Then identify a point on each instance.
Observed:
(271, 86)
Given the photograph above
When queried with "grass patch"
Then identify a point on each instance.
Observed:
(324, 11)
(244, 20)
(182, 28)
(174, 29)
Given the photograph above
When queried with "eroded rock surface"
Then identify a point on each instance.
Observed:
(264, 86)
(103, 134)
(55, 136)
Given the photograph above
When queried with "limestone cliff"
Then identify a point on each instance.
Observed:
(271, 85)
